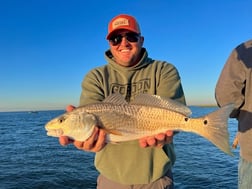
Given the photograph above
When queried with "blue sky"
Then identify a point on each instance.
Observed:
(47, 46)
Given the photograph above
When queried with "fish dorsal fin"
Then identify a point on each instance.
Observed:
(115, 98)
(161, 102)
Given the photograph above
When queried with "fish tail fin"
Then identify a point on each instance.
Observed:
(217, 128)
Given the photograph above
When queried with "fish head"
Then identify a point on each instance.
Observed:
(75, 125)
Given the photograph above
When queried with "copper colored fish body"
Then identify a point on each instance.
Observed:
(147, 115)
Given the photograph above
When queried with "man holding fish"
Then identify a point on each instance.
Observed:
(128, 111)
(145, 163)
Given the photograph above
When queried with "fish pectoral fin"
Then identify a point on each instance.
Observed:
(114, 132)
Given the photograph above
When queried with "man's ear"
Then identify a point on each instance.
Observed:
(142, 40)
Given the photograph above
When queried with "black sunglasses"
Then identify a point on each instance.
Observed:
(117, 39)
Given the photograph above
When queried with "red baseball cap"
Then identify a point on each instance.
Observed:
(123, 21)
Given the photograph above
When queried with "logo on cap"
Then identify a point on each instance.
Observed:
(120, 22)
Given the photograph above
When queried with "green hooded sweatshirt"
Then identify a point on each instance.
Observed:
(127, 163)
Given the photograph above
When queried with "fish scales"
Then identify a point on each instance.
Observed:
(147, 115)
(137, 118)
(112, 116)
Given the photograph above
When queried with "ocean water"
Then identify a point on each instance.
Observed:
(31, 160)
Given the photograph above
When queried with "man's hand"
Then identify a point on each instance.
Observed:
(93, 144)
(156, 141)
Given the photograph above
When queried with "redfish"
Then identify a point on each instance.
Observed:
(147, 115)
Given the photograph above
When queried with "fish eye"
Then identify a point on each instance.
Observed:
(62, 119)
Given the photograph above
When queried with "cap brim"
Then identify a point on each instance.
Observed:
(122, 28)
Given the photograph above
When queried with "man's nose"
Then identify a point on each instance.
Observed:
(124, 41)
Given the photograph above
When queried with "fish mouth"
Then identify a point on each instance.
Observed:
(55, 132)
